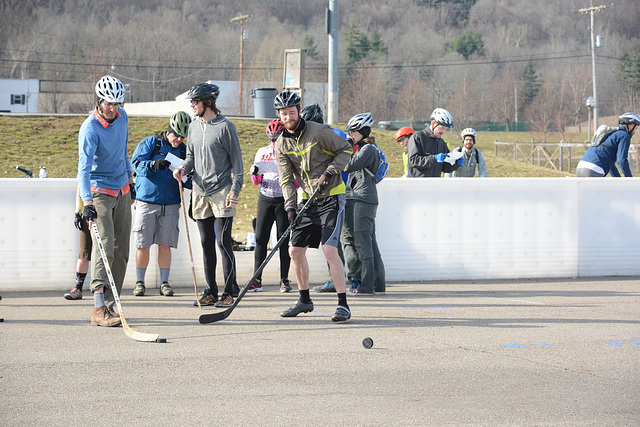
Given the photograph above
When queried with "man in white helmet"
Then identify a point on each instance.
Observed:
(427, 151)
(106, 188)
(472, 157)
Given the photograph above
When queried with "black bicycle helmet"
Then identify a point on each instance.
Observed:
(312, 113)
(203, 91)
(286, 98)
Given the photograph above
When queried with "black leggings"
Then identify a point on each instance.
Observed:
(270, 210)
(218, 231)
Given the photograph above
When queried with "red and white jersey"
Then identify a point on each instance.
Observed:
(266, 161)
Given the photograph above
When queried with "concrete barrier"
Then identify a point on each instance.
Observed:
(428, 229)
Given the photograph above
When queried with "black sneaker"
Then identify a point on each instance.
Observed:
(225, 301)
(297, 308)
(166, 290)
(139, 289)
(207, 299)
(342, 314)
(285, 286)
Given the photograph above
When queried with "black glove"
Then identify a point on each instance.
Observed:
(78, 221)
(160, 164)
(253, 170)
(132, 190)
(292, 215)
(89, 212)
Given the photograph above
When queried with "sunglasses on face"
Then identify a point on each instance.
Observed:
(177, 135)
(195, 101)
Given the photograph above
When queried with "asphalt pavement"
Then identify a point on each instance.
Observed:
(524, 352)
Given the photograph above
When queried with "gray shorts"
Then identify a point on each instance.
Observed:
(155, 224)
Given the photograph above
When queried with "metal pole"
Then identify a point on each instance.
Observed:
(241, 63)
(595, 74)
(332, 96)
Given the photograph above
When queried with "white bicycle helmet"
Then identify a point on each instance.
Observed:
(110, 89)
(442, 117)
(359, 121)
(628, 118)
(469, 132)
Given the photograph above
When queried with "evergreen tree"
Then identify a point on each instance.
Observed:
(466, 44)
(530, 84)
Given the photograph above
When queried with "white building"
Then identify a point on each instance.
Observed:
(19, 95)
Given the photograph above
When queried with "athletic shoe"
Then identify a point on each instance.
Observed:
(379, 292)
(166, 290)
(354, 284)
(342, 314)
(285, 286)
(255, 287)
(358, 292)
(225, 301)
(74, 293)
(207, 299)
(103, 317)
(327, 287)
(297, 308)
(139, 289)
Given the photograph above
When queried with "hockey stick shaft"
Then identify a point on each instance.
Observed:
(138, 336)
(221, 315)
(186, 227)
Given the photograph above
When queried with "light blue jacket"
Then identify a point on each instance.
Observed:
(103, 157)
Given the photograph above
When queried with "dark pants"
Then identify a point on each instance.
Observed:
(270, 210)
(218, 231)
(361, 247)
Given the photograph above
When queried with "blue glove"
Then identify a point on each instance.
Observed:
(440, 157)
(460, 161)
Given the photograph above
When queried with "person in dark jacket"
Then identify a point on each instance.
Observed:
(600, 160)
(158, 200)
(427, 150)
(359, 233)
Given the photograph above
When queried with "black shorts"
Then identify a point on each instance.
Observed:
(320, 224)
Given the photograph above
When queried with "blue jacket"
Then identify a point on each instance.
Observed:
(613, 149)
(158, 186)
(103, 157)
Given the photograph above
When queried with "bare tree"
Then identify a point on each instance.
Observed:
(503, 97)
(412, 100)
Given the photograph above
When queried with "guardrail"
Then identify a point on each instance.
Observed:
(559, 156)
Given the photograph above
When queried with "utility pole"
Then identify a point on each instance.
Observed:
(592, 11)
(332, 30)
(241, 19)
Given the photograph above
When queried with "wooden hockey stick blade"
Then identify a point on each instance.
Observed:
(138, 336)
(221, 315)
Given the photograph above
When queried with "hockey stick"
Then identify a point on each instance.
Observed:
(138, 336)
(221, 315)
(186, 226)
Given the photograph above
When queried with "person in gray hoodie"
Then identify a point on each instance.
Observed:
(359, 234)
(214, 159)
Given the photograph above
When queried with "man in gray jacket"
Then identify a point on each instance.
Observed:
(215, 157)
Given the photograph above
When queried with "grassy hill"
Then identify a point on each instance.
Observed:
(35, 141)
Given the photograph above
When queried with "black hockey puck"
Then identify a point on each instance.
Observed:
(367, 342)
(161, 340)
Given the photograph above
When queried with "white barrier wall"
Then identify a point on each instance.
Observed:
(428, 229)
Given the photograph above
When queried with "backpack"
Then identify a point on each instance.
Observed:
(156, 149)
(601, 134)
(383, 166)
